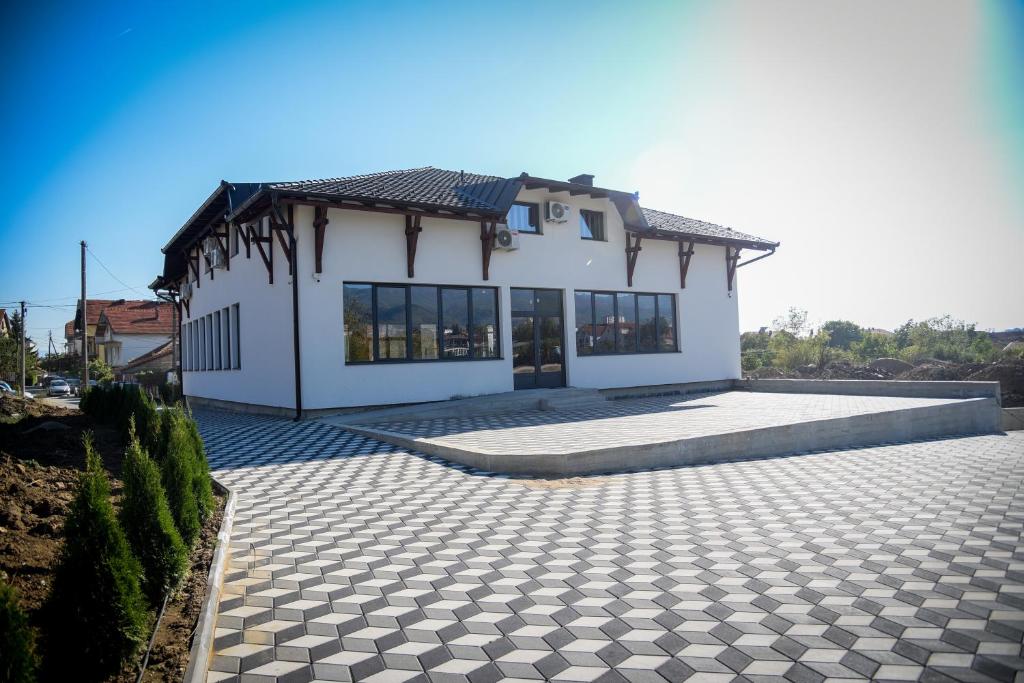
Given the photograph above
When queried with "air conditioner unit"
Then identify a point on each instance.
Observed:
(212, 250)
(186, 291)
(558, 212)
(506, 239)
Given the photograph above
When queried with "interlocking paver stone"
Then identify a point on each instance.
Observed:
(354, 560)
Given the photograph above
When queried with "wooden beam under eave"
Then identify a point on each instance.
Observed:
(732, 256)
(412, 237)
(685, 254)
(381, 209)
(488, 231)
(632, 252)
(320, 222)
(223, 245)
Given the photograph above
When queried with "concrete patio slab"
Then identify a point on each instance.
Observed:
(641, 433)
(900, 562)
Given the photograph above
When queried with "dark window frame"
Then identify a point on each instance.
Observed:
(636, 321)
(603, 237)
(534, 213)
(407, 286)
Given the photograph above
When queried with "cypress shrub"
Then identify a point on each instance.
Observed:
(96, 610)
(18, 660)
(179, 473)
(147, 420)
(201, 482)
(149, 526)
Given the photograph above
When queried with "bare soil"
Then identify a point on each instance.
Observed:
(41, 455)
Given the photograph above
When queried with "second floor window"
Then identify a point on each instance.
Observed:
(592, 225)
(524, 217)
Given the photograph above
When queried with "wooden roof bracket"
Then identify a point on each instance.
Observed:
(757, 258)
(282, 228)
(488, 231)
(319, 233)
(192, 259)
(685, 254)
(412, 237)
(184, 304)
(732, 257)
(632, 252)
(259, 240)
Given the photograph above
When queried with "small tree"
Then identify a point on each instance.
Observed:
(97, 613)
(842, 333)
(179, 475)
(201, 482)
(100, 371)
(149, 526)
(18, 661)
(794, 321)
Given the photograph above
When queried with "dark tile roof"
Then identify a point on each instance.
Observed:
(426, 186)
(670, 222)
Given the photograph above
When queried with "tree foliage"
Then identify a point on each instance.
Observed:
(842, 333)
(97, 613)
(18, 661)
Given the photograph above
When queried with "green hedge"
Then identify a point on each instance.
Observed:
(96, 612)
(18, 662)
(149, 526)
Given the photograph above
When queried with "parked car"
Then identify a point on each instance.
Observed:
(6, 388)
(58, 387)
(75, 384)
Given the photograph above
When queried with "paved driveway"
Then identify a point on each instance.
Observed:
(353, 560)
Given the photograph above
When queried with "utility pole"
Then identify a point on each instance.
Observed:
(22, 348)
(85, 330)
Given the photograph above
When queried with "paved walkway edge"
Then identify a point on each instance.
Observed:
(202, 642)
(970, 416)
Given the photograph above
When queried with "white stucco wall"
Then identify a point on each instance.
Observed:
(363, 246)
(134, 345)
(370, 247)
(267, 373)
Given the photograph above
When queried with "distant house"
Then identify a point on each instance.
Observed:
(127, 330)
(422, 284)
(5, 323)
(160, 360)
(73, 328)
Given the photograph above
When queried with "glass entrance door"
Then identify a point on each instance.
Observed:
(538, 342)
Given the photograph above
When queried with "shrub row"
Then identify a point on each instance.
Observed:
(18, 660)
(111, 565)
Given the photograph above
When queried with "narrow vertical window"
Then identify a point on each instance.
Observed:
(209, 341)
(584, 323)
(358, 322)
(646, 323)
(667, 336)
(625, 339)
(455, 318)
(183, 344)
(485, 322)
(392, 339)
(236, 338)
(218, 360)
(423, 319)
(202, 343)
(604, 317)
(226, 319)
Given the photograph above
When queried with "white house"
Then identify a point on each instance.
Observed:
(127, 330)
(425, 284)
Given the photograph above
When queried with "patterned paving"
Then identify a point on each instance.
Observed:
(643, 420)
(353, 560)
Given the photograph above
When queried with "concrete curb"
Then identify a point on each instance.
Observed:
(874, 387)
(202, 641)
(970, 416)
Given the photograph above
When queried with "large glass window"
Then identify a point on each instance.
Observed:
(485, 322)
(524, 217)
(423, 315)
(420, 323)
(625, 322)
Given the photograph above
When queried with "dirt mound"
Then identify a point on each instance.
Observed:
(841, 370)
(16, 406)
(1009, 374)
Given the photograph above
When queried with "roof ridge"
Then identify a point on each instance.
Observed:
(375, 174)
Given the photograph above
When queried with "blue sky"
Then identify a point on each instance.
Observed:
(801, 124)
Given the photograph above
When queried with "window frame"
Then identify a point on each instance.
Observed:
(533, 209)
(604, 227)
(592, 351)
(471, 357)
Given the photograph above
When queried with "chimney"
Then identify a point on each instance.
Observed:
(583, 179)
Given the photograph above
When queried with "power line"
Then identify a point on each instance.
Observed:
(111, 274)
